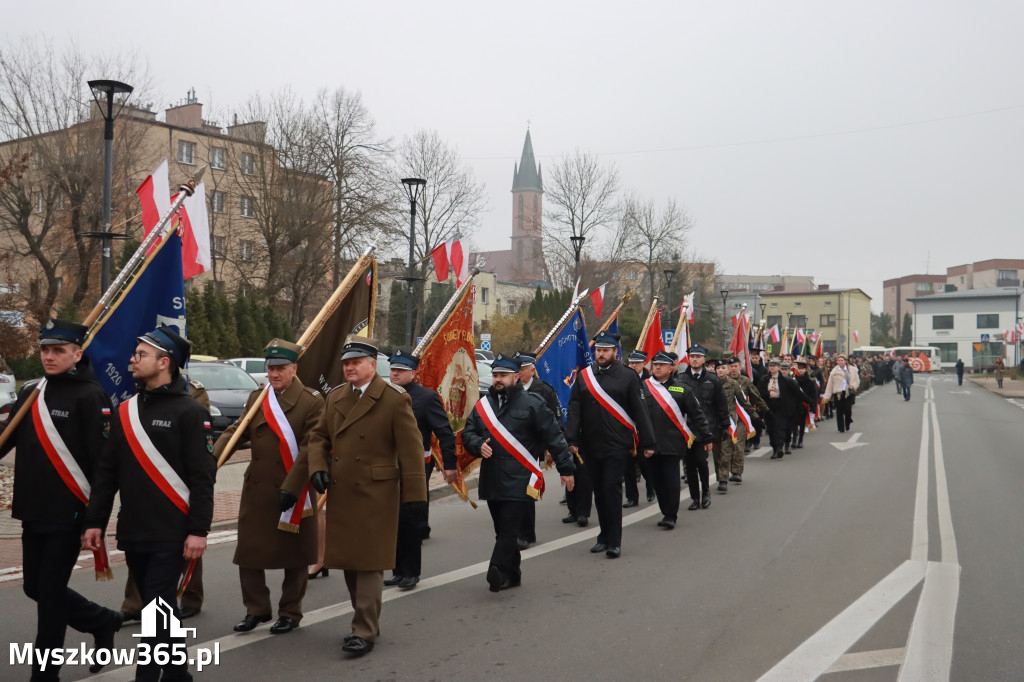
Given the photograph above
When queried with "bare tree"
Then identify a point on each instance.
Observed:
(581, 194)
(656, 240)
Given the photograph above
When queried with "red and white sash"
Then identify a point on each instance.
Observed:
(67, 467)
(606, 401)
(732, 429)
(154, 464)
(289, 449)
(512, 446)
(663, 397)
(745, 418)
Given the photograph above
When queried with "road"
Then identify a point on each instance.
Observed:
(892, 553)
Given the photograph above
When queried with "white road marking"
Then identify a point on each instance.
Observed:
(919, 540)
(849, 444)
(862, 660)
(930, 647)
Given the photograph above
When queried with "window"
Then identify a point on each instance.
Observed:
(218, 158)
(632, 274)
(1006, 274)
(828, 304)
(942, 321)
(988, 321)
(245, 250)
(827, 320)
(761, 287)
(217, 201)
(947, 351)
(775, 305)
(511, 306)
(797, 304)
(218, 247)
(40, 202)
(483, 295)
(246, 207)
(248, 165)
(773, 320)
(186, 152)
(798, 321)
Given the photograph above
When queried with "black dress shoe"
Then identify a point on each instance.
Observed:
(409, 582)
(599, 547)
(571, 518)
(694, 506)
(189, 612)
(705, 502)
(787, 451)
(494, 578)
(522, 544)
(508, 583)
(104, 639)
(582, 521)
(283, 625)
(613, 552)
(393, 580)
(650, 497)
(630, 503)
(357, 646)
(668, 523)
(776, 455)
(250, 622)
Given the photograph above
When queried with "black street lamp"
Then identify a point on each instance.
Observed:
(413, 187)
(103, 92)
(725, 317)
(763, 306)
(577, 247)
(668, 296)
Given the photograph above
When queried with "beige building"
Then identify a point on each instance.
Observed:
(836, 313)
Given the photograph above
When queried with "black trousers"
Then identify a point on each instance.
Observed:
(778, 424)
(632, 489)
(580, 500)
(409, 551)
(695, 462)
(48, 557)
(796, 428)
(606, 478)
(156, 573)
(664, 470)
(507, 516)
(425, 517)
(844, 411)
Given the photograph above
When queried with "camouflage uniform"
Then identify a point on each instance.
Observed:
(754, 398)
(727, 453)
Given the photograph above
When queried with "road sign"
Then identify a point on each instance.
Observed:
(986, 338)
(666, 336)
(485, 342)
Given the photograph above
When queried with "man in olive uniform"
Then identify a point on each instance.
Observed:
(58, 449)
(276, 530)
(727, 450)
(752, 395)
(366, 454)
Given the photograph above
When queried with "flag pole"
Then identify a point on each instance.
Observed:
(445, 312)
(141, 256)
(650, 318)
(611, 318)
(679, 325)
(573, 307)
(365, 260)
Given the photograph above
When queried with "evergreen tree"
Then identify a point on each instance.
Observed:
(396, 315)
(244, 311)
(440, 293)
(197, 323)
(261, 333)
(225, 323)
(907, 330)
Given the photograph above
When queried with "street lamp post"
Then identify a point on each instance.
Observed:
(103, 92)
(577, 248)
(668, 296)
(413, 187)
(725, 317)
(763, 307)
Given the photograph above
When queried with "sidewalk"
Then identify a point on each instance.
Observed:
(1012, 388)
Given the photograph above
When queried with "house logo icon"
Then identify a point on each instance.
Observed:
(157, 615)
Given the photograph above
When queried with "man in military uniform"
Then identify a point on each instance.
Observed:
(511, 428)
(751, 394)
(432, 420)
(608, 423)
(58, 448)
(366, 450)
(712, 400)
(276, 530)
(159, 458)
(676, 415)
(727, 450)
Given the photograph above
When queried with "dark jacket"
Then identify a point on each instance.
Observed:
(960, 366)
(527, 418)
(180, 429)
(546, 392)
(907, 374)
(597, 433)
(809, 387)
(431, 419)
(80, 411)
(712, 399)
(790, 396)
(671, 440)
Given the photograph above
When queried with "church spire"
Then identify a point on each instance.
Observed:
(527, 175)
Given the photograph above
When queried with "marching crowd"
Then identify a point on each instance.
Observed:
(366, 446)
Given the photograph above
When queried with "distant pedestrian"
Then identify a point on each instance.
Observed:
(959, 372)
(842, 384)
(906, 378)
(1000, 371)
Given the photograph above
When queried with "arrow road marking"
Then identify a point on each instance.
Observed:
(852, 443)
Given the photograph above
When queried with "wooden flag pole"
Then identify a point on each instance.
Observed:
(445, 312)
(307, 336)
(156, 237)
(650, 318)
(573, 307)
(611, 318)
(679, 325)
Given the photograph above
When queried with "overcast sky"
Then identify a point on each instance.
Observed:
(852, 142)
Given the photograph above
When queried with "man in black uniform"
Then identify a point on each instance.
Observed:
(431, 418)
(159, 458)
(511, 429)
(674, 410)
(58, 446)
(639, 466)
(712, 400)
(608, 423)
(782, 395)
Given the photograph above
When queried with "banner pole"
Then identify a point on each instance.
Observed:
(647, 324)
(573, 307)
(445, 312)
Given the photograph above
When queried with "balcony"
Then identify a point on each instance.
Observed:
(1007, 282)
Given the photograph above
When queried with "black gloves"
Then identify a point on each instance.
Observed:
(320, 481)
(286, 500)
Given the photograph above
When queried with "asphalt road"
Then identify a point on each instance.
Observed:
(897, 555)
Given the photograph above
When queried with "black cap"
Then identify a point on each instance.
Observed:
(734, 360)
(169, 341)
(606, 340)
(61, 331)
(525, 358)
(504, 363)
(697, 349)
(403, 359)
(662, 358)
(638, 356)
(672, 354)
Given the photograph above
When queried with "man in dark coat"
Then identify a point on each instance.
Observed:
(783, 395)
(432, 421)
(675, 410)
(906, 377)
(511, 429)
(960, 371)
(608, 423)
(640, 466)
(712, 400)
(73, 409)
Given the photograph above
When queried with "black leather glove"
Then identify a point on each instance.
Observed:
(286, 500)
(320, 481)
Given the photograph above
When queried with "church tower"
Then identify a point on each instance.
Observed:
(527, 212)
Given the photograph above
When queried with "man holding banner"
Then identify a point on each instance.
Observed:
(510, 429)
(608, 424)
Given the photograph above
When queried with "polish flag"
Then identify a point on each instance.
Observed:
(154, 196)
(652, 343)
(773, 333)
(597, 298)
(688, 307)
(856, 336)
(449, 256)
(801, 337)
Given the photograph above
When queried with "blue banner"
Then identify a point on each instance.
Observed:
(566, 355)
(157, 297)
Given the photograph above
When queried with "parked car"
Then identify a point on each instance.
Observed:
(256, 367)
(486, 378)
(484, 356)
(8, 392)
(228, 387)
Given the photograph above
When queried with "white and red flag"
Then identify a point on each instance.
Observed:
(652, 343)
(773, 333)
(688, 307)
(449, 256)
(597, 298)
(154, 197)
(856, 336)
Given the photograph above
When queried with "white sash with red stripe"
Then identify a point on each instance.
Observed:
(745, 418)
(154, 464)
(608, 403)
(512, 446)
(663, 397)
(289, 449)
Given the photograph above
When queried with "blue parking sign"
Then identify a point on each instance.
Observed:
(667, 335)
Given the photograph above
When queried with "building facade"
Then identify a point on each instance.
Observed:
(970, 325)
(897, 293)
(842, 316)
